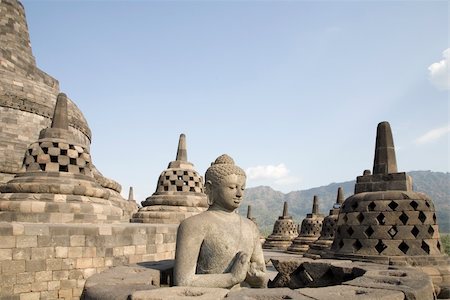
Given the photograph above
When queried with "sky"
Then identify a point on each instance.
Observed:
(292, 90)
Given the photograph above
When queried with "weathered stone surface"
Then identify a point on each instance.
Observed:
(349, 293)
(265, 294)
(120, 282)
(414, 284)
(181, 292)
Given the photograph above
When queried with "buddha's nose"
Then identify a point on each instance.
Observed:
(239, 193)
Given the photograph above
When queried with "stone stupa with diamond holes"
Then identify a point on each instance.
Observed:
(309, 230)
(385, 220)
(329, 223)
(58, 184)
(179, 193)
(284, 231)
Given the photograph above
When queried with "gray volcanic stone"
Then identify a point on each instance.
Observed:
(265, 294)
(181, 292)
(340, 292)
(413, 283)
(120, 282)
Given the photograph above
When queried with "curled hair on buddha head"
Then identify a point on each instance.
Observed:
(223, 166)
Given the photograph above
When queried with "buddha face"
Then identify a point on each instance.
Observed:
(228, 194)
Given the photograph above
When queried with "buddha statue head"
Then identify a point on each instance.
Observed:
(224, 184)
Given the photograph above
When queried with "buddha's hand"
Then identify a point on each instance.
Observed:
(240, 267)
(256, 275)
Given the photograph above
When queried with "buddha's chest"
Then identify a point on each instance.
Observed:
(221, 244)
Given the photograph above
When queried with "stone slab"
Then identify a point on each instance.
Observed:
(181, 292)
(340, 292)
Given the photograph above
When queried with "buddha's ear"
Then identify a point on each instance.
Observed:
(208, 187)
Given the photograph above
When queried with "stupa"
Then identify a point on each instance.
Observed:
(179, 193)
(328, 229)
(284, 231)
(309, 230)
(385, 220)
(58, 183)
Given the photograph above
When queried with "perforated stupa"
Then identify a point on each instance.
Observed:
(309, 230)
(284, 231)
(58, 184)
(385, 220)
(179, 193)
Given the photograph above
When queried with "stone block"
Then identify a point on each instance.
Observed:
(42, 253)
(60, 275)
(54, 285)
(36, 265)
(21, 253)
(7, 280)
(77, 240)
(61, 252)
(22, 288)
(10, 267)
(43, 276)
(68, 284)
(54, 264)
(30, 296)
(75, 252)
(26, 241)
(6, 254)
(83, 263)
(89, 252)
(65, 294)
(22, 278)
(39, 286)
(76, 274)
(7, 242)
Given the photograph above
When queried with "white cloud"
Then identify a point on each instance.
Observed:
(433, 135)
(439, 73)
(267, 172)
(278, 173)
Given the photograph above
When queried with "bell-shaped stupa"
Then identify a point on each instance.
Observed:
(58, 184)
(309, 230)
(179, 193)
(385, 220)
(329, 225)
(284, 231)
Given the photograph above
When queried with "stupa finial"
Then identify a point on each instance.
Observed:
(249, 212)
(182, 150)
(285, 209)
(340, 196)
(384, 161)
(315, 208)
(131, 194)
(60, 117)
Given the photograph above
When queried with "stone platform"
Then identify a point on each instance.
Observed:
(298, 278)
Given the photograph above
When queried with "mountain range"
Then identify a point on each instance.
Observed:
(267, 204)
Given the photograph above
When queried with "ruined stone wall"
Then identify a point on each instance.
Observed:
(53, 261)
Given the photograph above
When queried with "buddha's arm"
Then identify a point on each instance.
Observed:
(189, 240)
(257, 275)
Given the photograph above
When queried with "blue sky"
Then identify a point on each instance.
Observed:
(292, 90)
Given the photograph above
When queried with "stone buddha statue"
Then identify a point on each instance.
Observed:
(220, 248)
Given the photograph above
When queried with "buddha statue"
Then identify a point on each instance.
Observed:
(218, 247)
